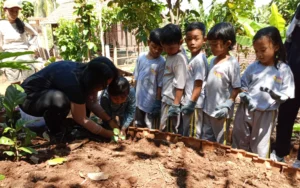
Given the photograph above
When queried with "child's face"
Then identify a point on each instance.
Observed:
(194, 40)
(219, 47)
(265, 50)
(172, 49)
(118, 99)
(154, 49)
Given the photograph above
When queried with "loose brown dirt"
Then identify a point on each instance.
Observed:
(140, 163)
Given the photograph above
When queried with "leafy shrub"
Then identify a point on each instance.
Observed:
(15, 135)
(69, 40)
(27, 10)
(52, 59)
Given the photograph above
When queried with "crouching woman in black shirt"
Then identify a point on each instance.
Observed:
(68, 86)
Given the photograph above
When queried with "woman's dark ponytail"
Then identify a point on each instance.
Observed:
(20, 26)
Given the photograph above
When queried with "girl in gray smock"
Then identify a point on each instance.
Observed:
(222, 85)
(266, 83)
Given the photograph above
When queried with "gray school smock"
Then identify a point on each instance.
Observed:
(221, 79)
(174, 76)
(169, 124)
(197, 69)
(149, 76)
(252, 130)
(278, 79)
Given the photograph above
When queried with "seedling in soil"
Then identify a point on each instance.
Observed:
(296, 127)
(117, 135)
(2, 177)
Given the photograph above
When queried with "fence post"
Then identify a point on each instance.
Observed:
(107, 53)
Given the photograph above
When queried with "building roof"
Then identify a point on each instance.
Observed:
(64, 11)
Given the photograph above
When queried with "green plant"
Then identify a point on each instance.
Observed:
(88, 27)
(52, 59)
(1, 102)
(43, 8)
(69, 40)
(277, 20)
(246, 28)
(15, 135)
(6, 62)
(286, 8)
(27, 10)
(117, 135)
(2, 13)
(296, 127)
(79, 40)
(132, 15)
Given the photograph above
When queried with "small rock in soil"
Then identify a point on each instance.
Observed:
(36, 176)
(211, 176)
(180, 144)
(124, 184)
(132, 179)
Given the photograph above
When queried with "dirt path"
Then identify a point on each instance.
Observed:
(142, 163)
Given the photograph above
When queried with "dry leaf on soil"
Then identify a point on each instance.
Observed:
(56, 161)
(98, 176)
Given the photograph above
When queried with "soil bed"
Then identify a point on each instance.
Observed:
(141, 163)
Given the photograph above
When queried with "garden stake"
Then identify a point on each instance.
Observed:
(225, 131)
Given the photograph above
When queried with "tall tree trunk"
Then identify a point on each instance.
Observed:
(169, 5)
(126, 41)
(101, 30)
(115, 52)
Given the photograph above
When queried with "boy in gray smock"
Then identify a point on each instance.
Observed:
(222, 85)
(192, 114)
(266, 84)
(173, 80)
(148, 75)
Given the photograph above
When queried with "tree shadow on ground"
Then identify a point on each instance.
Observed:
(46, 153)
(142, 155)
(75, 185)
(181, 175)
(120, 147)
(158, 142)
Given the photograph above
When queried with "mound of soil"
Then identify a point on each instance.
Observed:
(140, 163)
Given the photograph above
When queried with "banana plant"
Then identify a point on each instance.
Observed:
(7, 60)
(277, 20)
(250, 27)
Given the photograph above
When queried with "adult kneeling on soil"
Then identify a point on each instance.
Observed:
(66, 86)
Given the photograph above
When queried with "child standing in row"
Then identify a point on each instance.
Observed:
(174, 79)
(223, 83)
(192, 114)
(148, 75)
(266, 84)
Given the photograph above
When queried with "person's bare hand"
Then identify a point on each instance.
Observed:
(113, 123)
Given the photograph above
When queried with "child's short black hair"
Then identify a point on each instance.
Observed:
(274, 35)
(222, 31)
(171, 34)
(195, 25)
(118, 87)
(155, 36)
